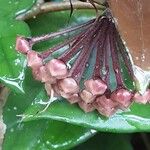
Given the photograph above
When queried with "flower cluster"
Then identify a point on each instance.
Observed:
(100, 37)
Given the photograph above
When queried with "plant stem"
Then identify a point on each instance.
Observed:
(115, 58)
(56, 6)
(52, 35)
(100, 49)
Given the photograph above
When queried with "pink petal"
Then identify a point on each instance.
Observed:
(57, 68)
(48, 88)
(22, 45)
(105, 106)
(123, 97)
(36, 74)
(69, 86)
(74, 98)
(96, 87)
(86, 107)
(34, 61)
(142, 98)
(86, 96)
(45, 76)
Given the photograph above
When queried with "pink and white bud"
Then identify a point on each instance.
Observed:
(143, 99)
(69, 86)
(74, 98)
(34, 61)
(56, 89)
(86, 107)
(22, 45)
(87, 97)
(65, 95)
(123, 97)
(105, 106)
(60, 92)
(48, 88)
(96, 87)
(57, 68)
(36, 74)
(45, 76)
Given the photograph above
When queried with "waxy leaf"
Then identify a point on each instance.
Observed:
(12, 64)
(44, 134)
(40, 134)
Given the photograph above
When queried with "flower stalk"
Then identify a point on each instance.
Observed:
(100, 36)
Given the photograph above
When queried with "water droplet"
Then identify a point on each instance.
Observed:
(116, 70)
(137, 58)
(8, 109)
(47, 142)
(16, 2)
(15, 108)
(143, 57)
(11, 130)
(38, 141)
(104, 72)
(11, 25)
(87, 65)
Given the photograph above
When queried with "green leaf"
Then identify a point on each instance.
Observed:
(44, 135)
(12, 64)
(10, 8)
(41, 134)
(107, 142)
(134, 119)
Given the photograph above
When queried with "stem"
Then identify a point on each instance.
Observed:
(78, 45)
(52, 35)
(74, 49)
(46, 53)
(115, 58)
(55, 6)
(100, 50)
(125, 56)
(79, 65)
(106, 54)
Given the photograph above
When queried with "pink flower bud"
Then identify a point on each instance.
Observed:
(105, 106)
(122, 96)
(143, 99)
(45, 76)
(96, 87)
(74, 98)
(48, 88)
(86, 107)
(57, 68)
(34, 61)
(22, 45)
(69, 86)
(87, 97)
(36, 74)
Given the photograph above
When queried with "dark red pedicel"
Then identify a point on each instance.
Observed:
(98, 36)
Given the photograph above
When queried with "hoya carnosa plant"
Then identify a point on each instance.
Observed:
(63, 75)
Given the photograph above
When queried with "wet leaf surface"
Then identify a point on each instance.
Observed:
(12, 64)
(38, 134)
(44, 134)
